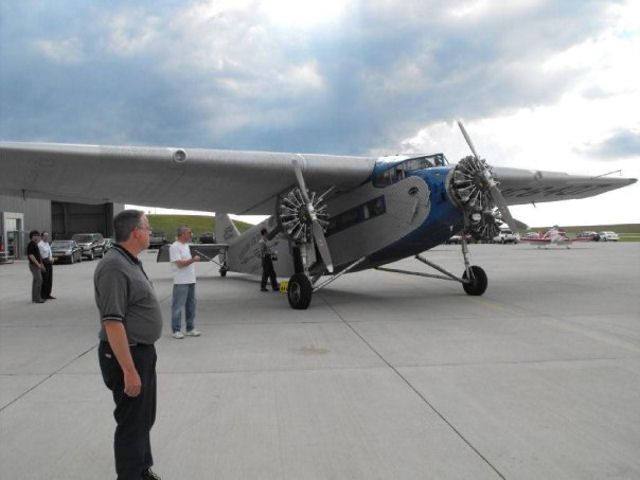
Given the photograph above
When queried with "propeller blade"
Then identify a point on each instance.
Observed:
(468, 139)
(504, 209)
(316, 230)
(321, 243)
(300, 178)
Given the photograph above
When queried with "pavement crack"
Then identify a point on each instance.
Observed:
(52, 374)
(415, 390)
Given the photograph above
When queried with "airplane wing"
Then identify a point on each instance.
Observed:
(182, 178)
(527, 186)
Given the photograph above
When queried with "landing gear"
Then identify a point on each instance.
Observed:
(223, 271)
(476, 282)
(299, 291)
(473, 280)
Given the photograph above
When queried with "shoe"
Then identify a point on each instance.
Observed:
(264, 290)
(193, 333)
(38, 301)
(51, 297)
(149, 474)
(178, 335)
(277, 288)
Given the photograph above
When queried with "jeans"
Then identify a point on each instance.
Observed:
(184, 297)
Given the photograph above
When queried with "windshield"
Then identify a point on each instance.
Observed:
(83, 238)
(398, 171)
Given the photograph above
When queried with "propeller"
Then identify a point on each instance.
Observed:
(316, 228)
(487, 181)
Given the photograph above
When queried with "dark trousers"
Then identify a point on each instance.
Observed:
(268, 272)
(134, 415)
(47, 279)
(36, 284)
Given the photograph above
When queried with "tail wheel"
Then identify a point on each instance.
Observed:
(223, 271)
(299, 291)
(478, 283)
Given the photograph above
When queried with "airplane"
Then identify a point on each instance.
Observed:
(329, 214)
(554, 237)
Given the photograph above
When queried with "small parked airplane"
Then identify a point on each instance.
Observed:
(329, 214)
(554, 236)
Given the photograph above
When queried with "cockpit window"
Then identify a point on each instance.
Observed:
(397, 172)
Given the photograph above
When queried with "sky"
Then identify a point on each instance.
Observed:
(539, 84)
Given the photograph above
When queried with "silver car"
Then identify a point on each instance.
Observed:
(66, 250)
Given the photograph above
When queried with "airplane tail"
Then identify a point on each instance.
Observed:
(225, 230)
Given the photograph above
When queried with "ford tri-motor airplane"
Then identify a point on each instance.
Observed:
(329, 214)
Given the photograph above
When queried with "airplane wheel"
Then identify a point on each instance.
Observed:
(223, 272)
(299, 291)
(479, 283)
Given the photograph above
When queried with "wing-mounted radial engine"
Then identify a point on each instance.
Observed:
(303, 217)
(474, 187)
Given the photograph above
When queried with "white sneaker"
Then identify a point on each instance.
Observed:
(179, 335)
(193, 333)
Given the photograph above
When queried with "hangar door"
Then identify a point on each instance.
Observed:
(70, 218)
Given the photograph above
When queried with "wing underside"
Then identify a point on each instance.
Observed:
(535, 186)
(182, 178)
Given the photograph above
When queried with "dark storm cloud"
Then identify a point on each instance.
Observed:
(176, 73)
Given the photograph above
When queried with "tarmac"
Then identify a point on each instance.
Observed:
(385, 376)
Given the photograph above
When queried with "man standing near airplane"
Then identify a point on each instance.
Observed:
(184, 284)
(131, 322)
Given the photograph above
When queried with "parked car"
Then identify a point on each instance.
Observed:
(506, 236)
(207, 237)
(92, 244)
(532, 236)
(588, 235)
(66, 251)
(608, 236)
(157, 239)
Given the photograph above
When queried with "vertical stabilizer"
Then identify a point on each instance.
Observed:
(225, 230)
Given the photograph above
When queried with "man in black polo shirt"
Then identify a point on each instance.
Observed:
(131, 322)
(36, 266)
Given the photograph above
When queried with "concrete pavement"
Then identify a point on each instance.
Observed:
(385, 376)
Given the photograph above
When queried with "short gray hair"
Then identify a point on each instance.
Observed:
(181, 229)
(125, 222)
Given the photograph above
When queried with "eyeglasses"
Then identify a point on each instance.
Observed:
(144, 227)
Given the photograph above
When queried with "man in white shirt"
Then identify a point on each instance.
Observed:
(184, 284)
(47, 260)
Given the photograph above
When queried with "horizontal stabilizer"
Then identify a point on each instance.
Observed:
(206, 250)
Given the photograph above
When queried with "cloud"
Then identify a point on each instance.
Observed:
(65, 51)
(241, 75)
(620, 145)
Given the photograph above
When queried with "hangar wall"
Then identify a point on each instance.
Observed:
(18, 216)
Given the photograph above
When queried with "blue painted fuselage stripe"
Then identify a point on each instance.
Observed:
(444, 220)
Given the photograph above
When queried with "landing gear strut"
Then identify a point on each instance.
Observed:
(474, 279)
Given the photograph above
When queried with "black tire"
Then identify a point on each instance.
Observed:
(91, 255)
(223, 272)
(479, 284)
(299, 291)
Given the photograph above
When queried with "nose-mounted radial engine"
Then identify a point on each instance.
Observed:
(474, 187)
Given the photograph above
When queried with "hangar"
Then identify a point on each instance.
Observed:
(62, 219)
